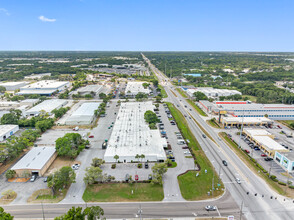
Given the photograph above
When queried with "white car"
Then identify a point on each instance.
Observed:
(210, 208)
(238, 180)
(187, 152)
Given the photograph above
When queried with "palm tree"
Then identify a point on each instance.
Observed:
(137, 157)
(142, 157)
(116, 157)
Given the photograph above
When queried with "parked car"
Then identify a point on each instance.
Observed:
(279, 126)
(146, 165)
(185, 147)
(45, 179)
(210, 208)
(91, 136)
(149, 177)
(203, 135)
(33, 178)
(225, 163)
(136, 177)
(247, 151)
(76, 128)
(187, 152)
(256, 148)
(263, 155)
(268, 159)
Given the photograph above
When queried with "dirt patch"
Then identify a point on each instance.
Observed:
(5, 166)
(11, 180)
(60, 162)
(7, 197)
(46, 196)
(21, 180)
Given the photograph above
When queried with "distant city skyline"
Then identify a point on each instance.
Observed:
(153, 25)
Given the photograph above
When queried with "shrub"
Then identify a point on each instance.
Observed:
(291, 187)
(273, 177)
(282, 183)
(275, 180)
(113, 166)
(139, 165)
(10, 174)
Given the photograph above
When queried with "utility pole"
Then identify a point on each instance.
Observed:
(241, 210)
(239, 145)
(287, 182)
(219, 173)
(212, 184)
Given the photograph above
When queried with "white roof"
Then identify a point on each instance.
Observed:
(90, 88)
(247, 119)
(29, 101)
(12, 83)
(48, 105)
(131, 135)
(6, 128)
(87, 108)
(46, 84)
(136, 87)
(257, 132)
(269, 143)
(37, 91)
(35, 159)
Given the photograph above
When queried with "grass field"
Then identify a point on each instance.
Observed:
(122, 192)
(199, 110)
(182, 93)
(250, 98)
(45, 195)
(246, 159)
(192, 187)
(212, 123)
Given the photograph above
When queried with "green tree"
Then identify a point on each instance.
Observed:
(141, 96)
(155, 82)
(10, 174)
(2, 89)
(72, 214)
(12, 117)
(116, 157)
(158, 170)
(4, 215)
(200, 96)
(94, 213)
(44, 124)
(150, 117)
(102, 95)
(142, 156)
(70, 145)
(145, 85)
(93, 174)
(97, 162)
(61, 179)
(137, 157)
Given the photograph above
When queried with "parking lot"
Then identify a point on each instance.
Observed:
(259, 155)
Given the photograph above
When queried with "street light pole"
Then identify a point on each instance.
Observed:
(43, 211)
(241, 210)
(140, 212)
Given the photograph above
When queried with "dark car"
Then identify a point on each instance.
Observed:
(185, 147)
(225, 163)
(203, 135)
(146, 165)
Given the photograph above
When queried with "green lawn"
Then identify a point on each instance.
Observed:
(174, 164)
(163, 92)
(122, 192)
(193, 188)
(199, 110)
(182, 93)
(212, 123)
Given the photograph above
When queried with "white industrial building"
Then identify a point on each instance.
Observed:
(37, 76)
(45, 87)
(84, 115)
(7, 130)
(11, 86)
(47, 106)
(133, 88)
(131, 135)
(4, 104)
(90, 88)
(29, 102)
(36, 161)
(252, 121)
(211, 92)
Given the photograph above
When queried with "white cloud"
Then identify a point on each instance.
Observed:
(4, 11)
(43, 18)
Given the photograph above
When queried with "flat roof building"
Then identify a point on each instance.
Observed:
(211, 92)
(45, 87)
(265, 141)
(131, 135)
(29, 102)
(36, 161)
(285, 160)
(47, 106)
(252, 121)
(84, 115)
(133, 88)
(11, 86)
(90, 88)
(7, 130)
(8, 105)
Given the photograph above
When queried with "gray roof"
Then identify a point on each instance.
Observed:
(35, 159)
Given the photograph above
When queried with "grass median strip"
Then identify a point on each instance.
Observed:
(199, 110)
(196, 187)
(258, 170)
(123, 192)
(163, 92)
(182, 93)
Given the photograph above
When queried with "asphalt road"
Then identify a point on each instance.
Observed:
(260, 206)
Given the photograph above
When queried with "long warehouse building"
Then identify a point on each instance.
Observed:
(47, 106)
(131, 135)
(84, 115)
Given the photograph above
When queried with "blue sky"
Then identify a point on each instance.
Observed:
(153, 25)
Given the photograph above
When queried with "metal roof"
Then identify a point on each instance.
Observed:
(136, 87)
(35, 159)
(6, 128)
(269, 143)
(48, 105)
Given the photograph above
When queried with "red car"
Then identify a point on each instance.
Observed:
(279, 126)
(136, 177)
(247, 151)
(263, 155)
(91, 136)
